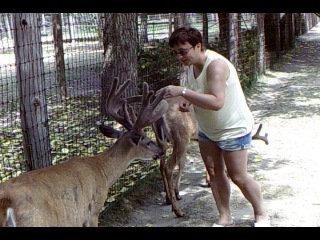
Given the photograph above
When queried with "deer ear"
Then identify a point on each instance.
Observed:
(109, 131)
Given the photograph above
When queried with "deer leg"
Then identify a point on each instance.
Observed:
(169, 176)
(164, 179)
(182, 164)
(177, 188)
(171, 164)
(181, 153)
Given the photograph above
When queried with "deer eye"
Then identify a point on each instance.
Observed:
(136, 138)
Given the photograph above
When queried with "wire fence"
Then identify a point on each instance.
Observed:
(72, 120)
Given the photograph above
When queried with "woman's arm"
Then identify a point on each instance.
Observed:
(217, 74)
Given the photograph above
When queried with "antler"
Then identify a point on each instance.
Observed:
(257, 136)
(160, 126)
(114, 103)
(150, 111)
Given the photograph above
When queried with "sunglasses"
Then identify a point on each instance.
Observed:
(182, 52)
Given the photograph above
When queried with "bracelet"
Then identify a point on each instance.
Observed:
(184, 91)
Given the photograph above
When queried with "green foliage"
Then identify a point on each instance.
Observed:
(247, 60)
(158, 65)
(219, 46)
(247, 57)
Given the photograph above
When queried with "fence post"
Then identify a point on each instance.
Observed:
(31, 88)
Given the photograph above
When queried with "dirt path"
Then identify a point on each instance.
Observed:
(287, 101)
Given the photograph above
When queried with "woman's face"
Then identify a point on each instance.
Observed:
(185, 53)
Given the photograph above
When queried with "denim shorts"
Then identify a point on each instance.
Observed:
(233, 144)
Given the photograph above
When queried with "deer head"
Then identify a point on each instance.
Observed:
(150, 111)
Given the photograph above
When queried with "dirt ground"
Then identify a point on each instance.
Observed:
(286, 101)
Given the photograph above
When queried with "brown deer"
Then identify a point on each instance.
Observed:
(178, 128)
(73, 193)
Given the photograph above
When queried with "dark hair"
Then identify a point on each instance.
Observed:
(186, 34)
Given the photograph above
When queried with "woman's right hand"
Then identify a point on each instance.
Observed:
(171, 91)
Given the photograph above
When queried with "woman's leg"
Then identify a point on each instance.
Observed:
(236, 163)
(219, 182)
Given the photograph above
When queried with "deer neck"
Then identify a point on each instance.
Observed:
(116, 160)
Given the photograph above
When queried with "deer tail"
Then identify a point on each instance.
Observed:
(9, 218)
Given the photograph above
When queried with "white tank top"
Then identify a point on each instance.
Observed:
(234, 119)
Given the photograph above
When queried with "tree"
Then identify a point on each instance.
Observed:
(261, 42)
(59, 53)
(288, 36)
(272, 32)
(121, 50)
(205, 35)
(181, 19)
(143, 28)
(224, 31)
(233, 39)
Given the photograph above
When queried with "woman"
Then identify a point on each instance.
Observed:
(224, 119)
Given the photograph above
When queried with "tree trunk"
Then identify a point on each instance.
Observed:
(31, 86)
(272, 31)
(224, 32)
(143, 28)
(70, 25)
(205, 34)
(59, 54)
(261, 44)
(181, 20)
(297, 29)
(8, 24)
(287, 31)
(170, 25)
(121, 59)
(233, 39)
(100, 17)
(277, 34)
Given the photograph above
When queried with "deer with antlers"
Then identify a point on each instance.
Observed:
(178, 129)
(73, 193)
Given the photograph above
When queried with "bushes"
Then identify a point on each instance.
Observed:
(158, 65)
